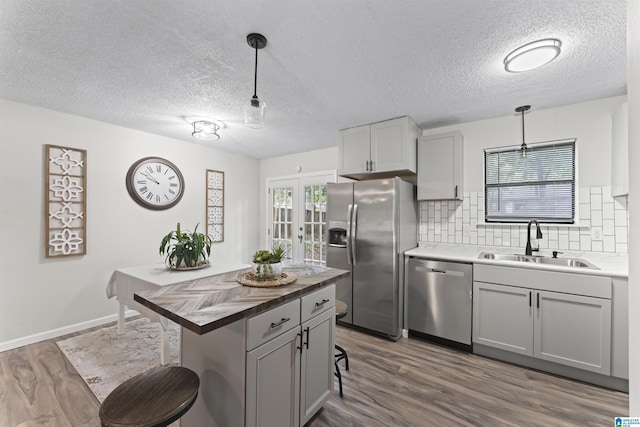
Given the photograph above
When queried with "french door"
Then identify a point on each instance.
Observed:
(297, 217)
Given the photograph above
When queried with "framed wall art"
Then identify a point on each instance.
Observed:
(215, 205)
(65, 201)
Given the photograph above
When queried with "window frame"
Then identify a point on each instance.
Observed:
(497, 219)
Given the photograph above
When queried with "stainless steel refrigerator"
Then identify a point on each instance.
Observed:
(369, 226)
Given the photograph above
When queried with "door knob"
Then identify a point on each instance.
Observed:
(300, 238)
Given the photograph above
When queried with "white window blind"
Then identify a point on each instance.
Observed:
(539, 185)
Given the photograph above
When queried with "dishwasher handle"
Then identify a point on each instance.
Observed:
(439, 271)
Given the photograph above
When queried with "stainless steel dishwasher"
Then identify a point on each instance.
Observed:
(440, 301)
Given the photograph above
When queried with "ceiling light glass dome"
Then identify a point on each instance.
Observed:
(532, 55)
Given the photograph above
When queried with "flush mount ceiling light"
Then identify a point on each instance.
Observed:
(523, 146)
(206, 130)
(532, 55)
(255, 109)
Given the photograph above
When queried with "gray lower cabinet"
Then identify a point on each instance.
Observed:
(567, 329)
(502, 317)
(316, 365)
(289, 374)
(273, 382)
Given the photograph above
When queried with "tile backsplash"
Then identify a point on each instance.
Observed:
(603, 224)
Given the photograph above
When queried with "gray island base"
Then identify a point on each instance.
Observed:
(264, 355)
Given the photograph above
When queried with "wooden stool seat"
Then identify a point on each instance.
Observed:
(154, 398)
(341, 309)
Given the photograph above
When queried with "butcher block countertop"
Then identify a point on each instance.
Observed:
(209, 303)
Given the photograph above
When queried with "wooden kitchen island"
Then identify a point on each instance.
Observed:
(264, 355)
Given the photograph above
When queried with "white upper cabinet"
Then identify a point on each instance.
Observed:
(355, 150)
(620, 152)
(440, 166)
(379, 150)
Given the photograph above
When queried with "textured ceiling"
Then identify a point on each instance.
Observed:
(151, 65)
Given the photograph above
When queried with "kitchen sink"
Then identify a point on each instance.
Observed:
(564, 262)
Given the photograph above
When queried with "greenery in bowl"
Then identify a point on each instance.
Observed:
(264, 263)
(186, 249)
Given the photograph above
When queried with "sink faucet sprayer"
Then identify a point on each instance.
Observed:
(528, 250)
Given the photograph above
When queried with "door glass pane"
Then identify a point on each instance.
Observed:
(282, 203)
(314, 209)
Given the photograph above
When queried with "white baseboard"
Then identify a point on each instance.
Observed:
(54, 333)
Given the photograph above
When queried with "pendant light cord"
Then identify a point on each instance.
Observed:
(255, 76)
(521, 110)
(524, 145)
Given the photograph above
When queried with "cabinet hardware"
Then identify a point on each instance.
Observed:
(307, 342)
(366, 165)
(323, 302)
(455, 192)
(538, 300)
(529, 298)
(300, 347)
(371, 166)
(283, 320)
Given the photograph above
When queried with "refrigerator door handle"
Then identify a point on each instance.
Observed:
(349, 212)
(354, 235)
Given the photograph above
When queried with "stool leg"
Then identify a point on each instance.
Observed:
(342, 355)
(339, 375)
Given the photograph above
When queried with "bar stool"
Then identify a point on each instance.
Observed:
(154, 398)
(341, 311)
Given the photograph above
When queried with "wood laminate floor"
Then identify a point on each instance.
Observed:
(408, 383)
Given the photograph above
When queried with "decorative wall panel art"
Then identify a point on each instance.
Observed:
(215, 205)
(65, 201)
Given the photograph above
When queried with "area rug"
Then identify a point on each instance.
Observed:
(105, 359)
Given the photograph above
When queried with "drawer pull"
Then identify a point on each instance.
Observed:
(323, 302)
(283, 320)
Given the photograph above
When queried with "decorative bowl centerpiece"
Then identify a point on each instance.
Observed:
(186, 250)
(267, 271)
(268, 265)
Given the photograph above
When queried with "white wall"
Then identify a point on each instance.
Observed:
(589, 122)
(312, 161)
(633, 94)
(37, 294)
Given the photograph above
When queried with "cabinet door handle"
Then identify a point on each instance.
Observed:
(366, 165)
(371, 166)
(283, 320)
(455, 192)
(323, 302)
(300, 347)
(538, 300)
(306, 344)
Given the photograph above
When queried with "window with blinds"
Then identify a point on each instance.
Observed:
(538, 185)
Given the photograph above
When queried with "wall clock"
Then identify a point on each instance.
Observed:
(155, 183)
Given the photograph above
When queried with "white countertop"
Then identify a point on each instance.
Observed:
(610, 264)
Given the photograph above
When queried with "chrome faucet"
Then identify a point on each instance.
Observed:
(528, 250)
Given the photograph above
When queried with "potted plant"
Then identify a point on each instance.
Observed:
(267, 265)
(185, 249)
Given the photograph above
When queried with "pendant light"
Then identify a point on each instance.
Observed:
(255, 109)
(523, 146)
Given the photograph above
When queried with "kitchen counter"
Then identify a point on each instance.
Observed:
(208, 303)
(610, 264)
(246, 345)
